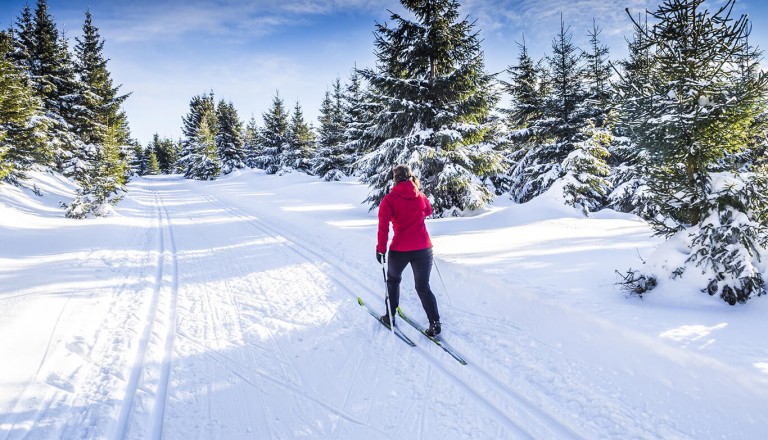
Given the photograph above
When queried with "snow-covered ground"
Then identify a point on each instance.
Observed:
(228, 310)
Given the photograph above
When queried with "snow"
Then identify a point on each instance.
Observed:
(227, 309)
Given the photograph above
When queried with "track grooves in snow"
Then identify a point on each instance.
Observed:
(144, 383)
(520, 406)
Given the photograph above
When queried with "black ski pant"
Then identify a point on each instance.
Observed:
(421, 265)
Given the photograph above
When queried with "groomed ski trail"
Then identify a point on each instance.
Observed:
(518, 417)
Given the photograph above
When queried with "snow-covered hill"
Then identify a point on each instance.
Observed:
(228, 310)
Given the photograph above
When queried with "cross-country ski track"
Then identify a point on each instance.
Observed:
(227, 310)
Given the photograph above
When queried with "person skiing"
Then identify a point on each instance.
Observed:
(406, 207)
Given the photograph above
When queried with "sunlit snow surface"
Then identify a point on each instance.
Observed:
(228, 310)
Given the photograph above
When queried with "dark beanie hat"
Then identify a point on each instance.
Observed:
(401, 173)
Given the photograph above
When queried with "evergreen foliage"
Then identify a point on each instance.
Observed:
(203, 162)
(252, 143)
(20, 126)
(357, 113)
(229, 138)
(527, 86)
(331, 161)
(98, 108)
(597, 75)
(166, 151)
(585, 171)
(432, 99)
(198, 146)
(273, 137)
(700, 111)
(554, 131)
(630, 173)
(52, 76)
(101, 174)
(301, 143)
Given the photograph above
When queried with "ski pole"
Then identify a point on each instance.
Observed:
(386, 301)
(439, 275)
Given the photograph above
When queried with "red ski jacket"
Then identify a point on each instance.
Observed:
(406, 208)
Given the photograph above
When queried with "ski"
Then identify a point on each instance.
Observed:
(436, 339)
(397, 331)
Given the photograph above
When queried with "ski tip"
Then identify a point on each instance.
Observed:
(359, 300)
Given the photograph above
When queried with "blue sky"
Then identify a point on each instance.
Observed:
(167, 51)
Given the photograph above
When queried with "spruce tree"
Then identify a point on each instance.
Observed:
(273, 137)
(301, 143)
(568, 93)
(229, 138)
(53, 78)
(701, 112)
(24, 41)
(252, 143)
(98, 102)
(203, 162)
(561, 125)
(331, 161)
(434, 100)
(100, 171)
(202, 110)
(586, 169)
(20, 142)
(527, 87)
(585, 183)
(357, 112)
(630, 172)
(166, 151)
(597, 75)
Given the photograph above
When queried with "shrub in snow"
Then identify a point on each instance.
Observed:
(728, 246)
(730, 243)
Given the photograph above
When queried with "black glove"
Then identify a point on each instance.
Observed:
(381, 258)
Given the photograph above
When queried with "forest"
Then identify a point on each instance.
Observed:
(674, 133)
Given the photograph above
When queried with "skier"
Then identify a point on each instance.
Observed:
(406, 208)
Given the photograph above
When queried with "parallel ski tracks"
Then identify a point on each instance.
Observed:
(548, 425)
(162, 313)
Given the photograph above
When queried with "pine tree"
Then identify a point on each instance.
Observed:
(150, 159)
(52, 76)
(700, 114)
(629, 175)
(527, 86)
(357, 113)
(301, 143)
(434, 101)
(101, 178)
(273, 137)
(585, 171)
(24, 41)
(597, 75)
(561, 125)
(202, 110)
(252, 143)
(229, 138)
(136, 161)
(98, 102)
(692, 124)
(20, 143)
(568, 94)
(203, 160)
(331, 161)
(166, 152)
